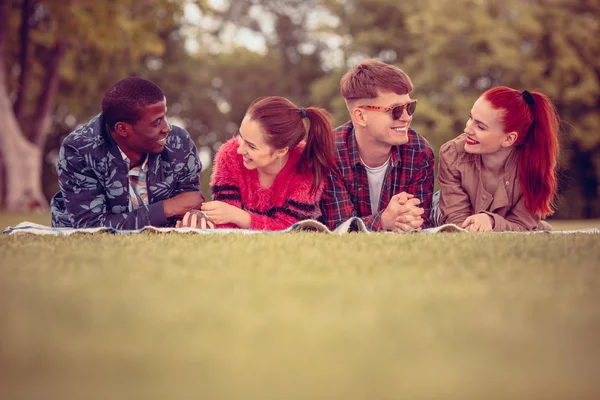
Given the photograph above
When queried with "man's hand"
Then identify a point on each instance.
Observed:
(410, 220)
(178, 205)
(223, 213)
(479, 223)
(402, 213)
(195, 219)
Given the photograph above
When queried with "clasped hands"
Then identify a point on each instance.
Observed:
(403, 213)
(210, 214)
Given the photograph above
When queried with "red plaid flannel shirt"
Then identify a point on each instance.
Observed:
(346, 192)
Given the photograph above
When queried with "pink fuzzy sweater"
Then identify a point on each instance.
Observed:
(278, 207)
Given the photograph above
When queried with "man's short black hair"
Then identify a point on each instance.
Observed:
(126, 100)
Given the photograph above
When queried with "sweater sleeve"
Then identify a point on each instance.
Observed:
(225, 181)
(300, 204)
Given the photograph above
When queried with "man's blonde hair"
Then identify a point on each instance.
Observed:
(370, 77)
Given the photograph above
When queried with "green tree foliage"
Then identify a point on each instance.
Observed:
(456, 49)
(75, 50)
(453, 50)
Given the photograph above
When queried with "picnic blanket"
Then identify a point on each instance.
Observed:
(354, 224)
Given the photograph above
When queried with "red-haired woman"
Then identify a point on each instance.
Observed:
(500, 174)
(272, 174)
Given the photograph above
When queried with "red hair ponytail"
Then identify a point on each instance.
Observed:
(535, 119)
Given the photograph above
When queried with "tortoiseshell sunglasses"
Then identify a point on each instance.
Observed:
(397, 111)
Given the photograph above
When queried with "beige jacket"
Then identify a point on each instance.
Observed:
(463, 193)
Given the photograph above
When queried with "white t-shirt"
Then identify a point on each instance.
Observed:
(375, 177)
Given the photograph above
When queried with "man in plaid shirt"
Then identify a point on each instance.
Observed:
(384, 170)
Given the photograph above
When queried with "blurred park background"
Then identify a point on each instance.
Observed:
(212, 58)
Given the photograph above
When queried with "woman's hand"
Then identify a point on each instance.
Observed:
(478, 223)
(195, 219)
(223, 213)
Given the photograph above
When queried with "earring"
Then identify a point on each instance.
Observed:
(280, 167)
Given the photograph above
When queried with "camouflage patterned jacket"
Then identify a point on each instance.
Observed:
(94, 183)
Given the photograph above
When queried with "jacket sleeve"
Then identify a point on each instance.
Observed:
(188, 178)
(455, 205)
(519, 219)
(85, 197)
(187, 167)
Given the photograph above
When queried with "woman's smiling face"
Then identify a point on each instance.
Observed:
(484, 129)
(253, 147)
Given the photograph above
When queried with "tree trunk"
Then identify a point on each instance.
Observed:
(21, 159)
(40, 126)
(2, 180)
(4, 11)
(24, 77)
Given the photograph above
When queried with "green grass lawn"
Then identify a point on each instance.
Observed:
(299, 316)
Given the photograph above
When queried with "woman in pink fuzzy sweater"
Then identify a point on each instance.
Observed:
(268, 177)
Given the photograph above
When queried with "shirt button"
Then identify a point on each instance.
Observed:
(507, 183)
